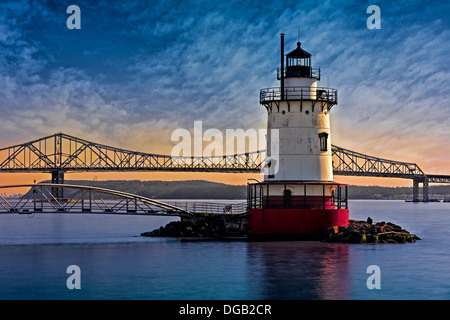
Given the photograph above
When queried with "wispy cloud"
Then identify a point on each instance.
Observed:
(139, 69)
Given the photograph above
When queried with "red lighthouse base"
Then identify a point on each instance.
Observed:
(295, 210)
(294, 223)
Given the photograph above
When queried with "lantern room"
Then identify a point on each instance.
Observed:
(298, 63)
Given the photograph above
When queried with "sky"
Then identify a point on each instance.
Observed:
(138, 70)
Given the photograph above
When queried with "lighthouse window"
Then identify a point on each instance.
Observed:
(323, 138)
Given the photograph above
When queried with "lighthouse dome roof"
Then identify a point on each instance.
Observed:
(298, 52)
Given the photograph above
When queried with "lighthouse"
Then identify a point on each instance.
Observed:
(298, 197)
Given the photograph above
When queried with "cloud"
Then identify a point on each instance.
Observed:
(139, 70)
(396, 101)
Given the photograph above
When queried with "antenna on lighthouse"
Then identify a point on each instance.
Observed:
(282, 66)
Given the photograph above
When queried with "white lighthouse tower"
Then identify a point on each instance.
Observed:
(300, 111)
(298, 196)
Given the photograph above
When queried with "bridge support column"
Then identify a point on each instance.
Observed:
(58, 177)
(425, 197)
(416, 190)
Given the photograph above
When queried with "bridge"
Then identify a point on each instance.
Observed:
(84, 199)
(60, 153)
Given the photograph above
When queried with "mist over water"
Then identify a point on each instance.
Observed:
(117, 263)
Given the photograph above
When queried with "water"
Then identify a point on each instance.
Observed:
(116, 263)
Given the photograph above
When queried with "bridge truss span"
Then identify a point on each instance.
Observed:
(62, 152)
(435, 178)
(347, 162)
(83, 199)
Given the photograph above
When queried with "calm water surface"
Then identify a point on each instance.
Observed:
(116, 263)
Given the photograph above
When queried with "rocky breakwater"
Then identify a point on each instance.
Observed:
(202, 226)
(369, 232)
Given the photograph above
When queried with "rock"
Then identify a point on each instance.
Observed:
(204, 226)
(367, 232)
(332, 231)
(371, 229)
(355, 237)
(397, 237)
(371, 238)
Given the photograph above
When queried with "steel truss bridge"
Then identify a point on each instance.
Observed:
(84, 199)
(60, 153)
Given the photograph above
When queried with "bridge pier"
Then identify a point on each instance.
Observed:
(425, 190)
(58, 177)
(416, 192)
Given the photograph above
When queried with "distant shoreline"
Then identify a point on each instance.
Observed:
(208, 190)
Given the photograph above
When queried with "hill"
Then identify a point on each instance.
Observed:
(201, 189)
(190, 189)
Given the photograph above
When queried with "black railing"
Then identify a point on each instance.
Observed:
(299, 72)
(255, 194)
(299, 93)
(340, 197)
(208, 207)
(259, 197)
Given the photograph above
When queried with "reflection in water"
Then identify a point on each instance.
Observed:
(299, 270)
